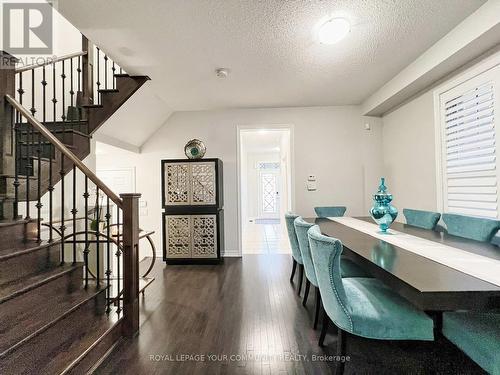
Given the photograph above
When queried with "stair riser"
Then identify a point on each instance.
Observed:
(13, 236)
(17, 308)
(16, 268)
(31, 151)
(76, 125)
(32, 357)
(7, 183)
(99, 352)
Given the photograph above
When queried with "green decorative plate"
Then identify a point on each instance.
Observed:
(195, 149)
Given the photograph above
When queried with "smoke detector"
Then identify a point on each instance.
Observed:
(222, 72)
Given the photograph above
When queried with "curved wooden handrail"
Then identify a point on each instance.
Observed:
(51, 61)
(65, 151)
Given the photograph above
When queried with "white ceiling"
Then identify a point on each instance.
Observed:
(269, 46)
(261, 141)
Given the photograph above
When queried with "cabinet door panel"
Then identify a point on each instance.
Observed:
(177, 181)
(204, 236)
(178, 236)
(203, 184)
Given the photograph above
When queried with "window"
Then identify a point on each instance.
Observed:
(468, 145)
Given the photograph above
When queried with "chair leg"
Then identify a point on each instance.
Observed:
(301, 277)
(318, 304)
(341, 344)
(326, 322)
(306, 292)
(294, 267)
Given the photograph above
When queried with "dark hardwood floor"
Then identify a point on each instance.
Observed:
(205, 319)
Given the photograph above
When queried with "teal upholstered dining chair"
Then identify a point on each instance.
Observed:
(421, 219)
(474, 228)
(361, 306)
(294, 244)
(477, 334)
(330, 211)
(348, 267)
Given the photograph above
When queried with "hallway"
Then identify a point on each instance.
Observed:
(265, 237)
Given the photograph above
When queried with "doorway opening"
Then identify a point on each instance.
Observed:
(264, 164)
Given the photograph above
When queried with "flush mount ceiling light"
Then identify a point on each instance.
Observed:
(333, 30)
(222, 72)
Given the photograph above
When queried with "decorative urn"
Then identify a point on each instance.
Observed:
(382, 212)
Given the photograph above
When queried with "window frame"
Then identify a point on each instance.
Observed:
(486, 70)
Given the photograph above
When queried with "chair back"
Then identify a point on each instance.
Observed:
(301, 228)
(421, 219)
(330, 211)
(474, 228)
(292, 236)
(326, 252)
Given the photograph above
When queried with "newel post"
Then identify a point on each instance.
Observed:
(87, 71)
(7, 86)
(130, 263)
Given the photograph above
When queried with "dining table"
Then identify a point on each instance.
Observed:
(428, 282)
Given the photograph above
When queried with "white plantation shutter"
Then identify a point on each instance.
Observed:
(469, 144)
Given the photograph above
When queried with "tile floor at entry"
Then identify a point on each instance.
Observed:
(265, 237)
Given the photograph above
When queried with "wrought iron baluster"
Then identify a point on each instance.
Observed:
(86, 249)
(27, 167)
(74, 211)
(63, 97)
(98, 83)
(52, 155)
(63, 226)
(105, 71)
(20, 90)
(16, 166)
(33, 109)
(97, 237)
(79, 71)
(71, 91)
(39, 204)
(118, 273)
(108, 256)
(113, 69)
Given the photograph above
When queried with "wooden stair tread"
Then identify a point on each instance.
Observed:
(92, 106)
(4, 223)
(24, 285)
(103, 91)
(57, 349)
(20, 325)
(25, 248)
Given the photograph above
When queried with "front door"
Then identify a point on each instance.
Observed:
(269, 194)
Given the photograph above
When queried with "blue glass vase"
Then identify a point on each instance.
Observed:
(382, 212)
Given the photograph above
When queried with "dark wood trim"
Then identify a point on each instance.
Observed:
(87, 71)
(130, 263)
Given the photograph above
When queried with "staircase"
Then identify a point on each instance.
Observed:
(65, 237)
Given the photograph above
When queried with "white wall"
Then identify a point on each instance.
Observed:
(409, 144)
(330, 142)
(409, 154)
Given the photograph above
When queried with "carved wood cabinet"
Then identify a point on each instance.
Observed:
(193, 211)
